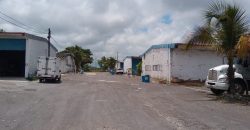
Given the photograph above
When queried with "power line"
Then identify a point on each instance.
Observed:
(13, 23)
(57, 43)
(18, 25)
(21, 23)
(54, 40)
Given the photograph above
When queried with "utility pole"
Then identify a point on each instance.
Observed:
(47, 58)
(117, 62)
(117, 56)
(49, 36)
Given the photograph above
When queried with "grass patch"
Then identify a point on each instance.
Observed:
(32, 78)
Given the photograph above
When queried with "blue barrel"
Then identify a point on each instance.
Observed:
(112, 71)
(145, 78)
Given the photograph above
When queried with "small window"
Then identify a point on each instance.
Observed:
(157, 68)
(147, 68)
(154, 67)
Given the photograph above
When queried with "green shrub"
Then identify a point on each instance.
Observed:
(32, 77)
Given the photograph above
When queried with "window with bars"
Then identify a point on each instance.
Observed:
(157, 67)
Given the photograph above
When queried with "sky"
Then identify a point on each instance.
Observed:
(106, 27)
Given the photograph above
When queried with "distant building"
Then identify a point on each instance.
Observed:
(119, 65)
(67, 62)
(130, 64)
(172, 62)
(19, 53)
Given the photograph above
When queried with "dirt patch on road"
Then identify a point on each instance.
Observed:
(234, 99)
(191, 83)
(29, 89)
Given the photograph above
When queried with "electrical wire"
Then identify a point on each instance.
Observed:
(54, 40)
(12, 23)
(18, 25)
(57, 43)
(21, 23)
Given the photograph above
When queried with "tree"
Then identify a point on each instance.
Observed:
(107, 63)
(225, 24)
(139, 68)
(82, 57)
(111, 62)
(102, 63)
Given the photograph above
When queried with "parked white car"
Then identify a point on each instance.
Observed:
(119, 71)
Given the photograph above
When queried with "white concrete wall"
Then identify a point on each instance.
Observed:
(157, 57)
(127, 64)
(193, 64)
(67, 64)
(34, 49)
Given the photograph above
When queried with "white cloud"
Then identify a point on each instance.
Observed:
(108, 26)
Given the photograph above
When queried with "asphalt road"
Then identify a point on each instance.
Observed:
(105, 102)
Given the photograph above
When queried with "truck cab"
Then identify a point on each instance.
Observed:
(217, 77)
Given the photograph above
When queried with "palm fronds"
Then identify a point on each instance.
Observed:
(201, 36)
(224, 26)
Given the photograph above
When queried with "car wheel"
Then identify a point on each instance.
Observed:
(217, 91)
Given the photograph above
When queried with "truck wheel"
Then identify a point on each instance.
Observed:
(217, 91)
(59, 80)
(40, 80)
(240, 87)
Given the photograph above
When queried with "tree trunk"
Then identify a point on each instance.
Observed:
(230, 74)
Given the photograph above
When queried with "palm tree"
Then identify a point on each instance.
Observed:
(225, 24)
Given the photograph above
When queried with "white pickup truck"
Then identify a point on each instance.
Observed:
(217, 77)
(48, 68)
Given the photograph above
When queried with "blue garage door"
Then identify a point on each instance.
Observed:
(12, 44)
(12, 57)
(135, 62)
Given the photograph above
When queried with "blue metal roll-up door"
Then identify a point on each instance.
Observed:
(12, 44)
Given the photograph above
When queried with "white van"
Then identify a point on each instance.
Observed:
(48, 68)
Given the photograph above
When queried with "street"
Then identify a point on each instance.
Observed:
(100, 101)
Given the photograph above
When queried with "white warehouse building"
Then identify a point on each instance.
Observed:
(19, 53)
(130, 64)
(173, 62)
(67, 62)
